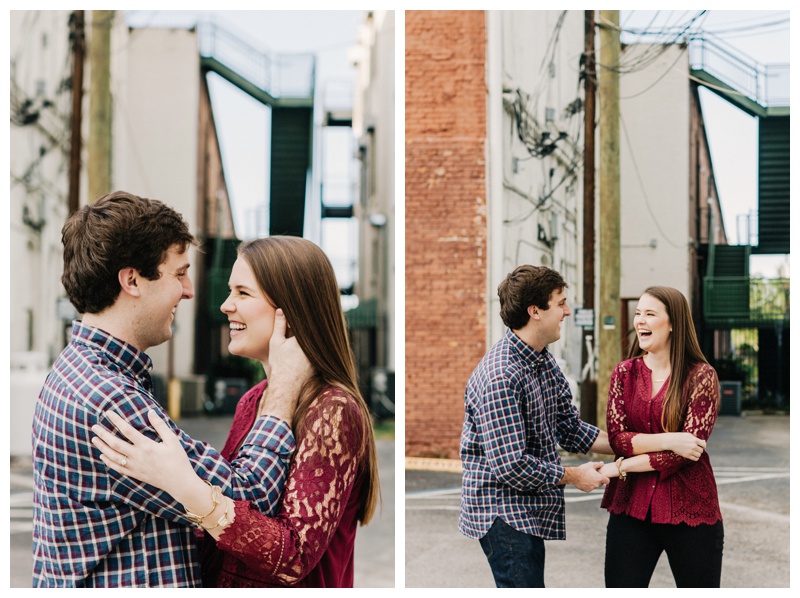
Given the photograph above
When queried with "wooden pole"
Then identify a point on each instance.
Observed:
(608, 335)
(99, 158)
(78, 39)
(589, 381)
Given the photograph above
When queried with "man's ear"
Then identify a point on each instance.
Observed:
(533, 312)
(129, 281)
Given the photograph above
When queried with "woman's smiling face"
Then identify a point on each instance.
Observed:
(652, 324)
(251, 314)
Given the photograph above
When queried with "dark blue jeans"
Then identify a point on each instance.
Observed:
(516, 558)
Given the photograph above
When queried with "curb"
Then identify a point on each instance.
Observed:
(430, 464)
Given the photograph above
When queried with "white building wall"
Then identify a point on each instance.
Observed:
(538, 220)
(155, 93)
(383, 109)
(40, 71)
(156, 89)
(654, 170)
(374, 126)
(39, 165)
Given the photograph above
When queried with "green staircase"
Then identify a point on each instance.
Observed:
(773, 185)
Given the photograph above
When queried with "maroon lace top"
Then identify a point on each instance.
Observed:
(310, 542)
(679, 490)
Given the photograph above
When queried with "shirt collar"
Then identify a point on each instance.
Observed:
(125, 354)
(524, 349)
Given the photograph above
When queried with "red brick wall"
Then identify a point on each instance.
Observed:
(445, 209)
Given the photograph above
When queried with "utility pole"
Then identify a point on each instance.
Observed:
(588, 381)
(78, 39)
(608, 332)
(99, 159)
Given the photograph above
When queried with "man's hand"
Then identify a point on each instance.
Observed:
(289, 370)
(587, 477)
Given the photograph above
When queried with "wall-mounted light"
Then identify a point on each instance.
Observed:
(377, 220)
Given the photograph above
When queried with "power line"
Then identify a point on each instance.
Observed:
(748, 28)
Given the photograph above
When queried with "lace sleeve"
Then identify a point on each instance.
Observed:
(285, 548)
(701, 415)
(619, 437)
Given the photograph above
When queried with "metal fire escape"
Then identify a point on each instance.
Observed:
(731, 298)
(284, 83)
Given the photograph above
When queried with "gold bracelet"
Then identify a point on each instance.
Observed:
(198, 519)
(622, 474)
(222, 521)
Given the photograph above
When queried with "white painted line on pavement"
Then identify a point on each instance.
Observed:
(752, 478)
(20, 479)
(574, 495)
(752, 513)
(425, 494)
(25, 498)
(18, 527)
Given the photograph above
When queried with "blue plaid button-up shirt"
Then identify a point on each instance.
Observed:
(518, 411)
(94, 527)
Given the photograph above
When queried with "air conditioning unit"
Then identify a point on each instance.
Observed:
(731, 398)
(193, 395)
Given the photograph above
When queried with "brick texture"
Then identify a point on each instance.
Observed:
(446, 234)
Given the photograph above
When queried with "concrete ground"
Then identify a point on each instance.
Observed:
(750, 457)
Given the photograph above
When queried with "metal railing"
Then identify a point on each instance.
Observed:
(745, 301)
(767, 85)
(280, 75)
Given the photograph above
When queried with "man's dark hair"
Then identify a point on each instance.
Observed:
(526, 286)
(120, 230)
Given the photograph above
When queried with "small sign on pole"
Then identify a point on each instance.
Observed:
(584, 316)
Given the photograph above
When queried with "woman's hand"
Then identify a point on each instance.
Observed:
(164, 464)
(685, 444)
(609, 470)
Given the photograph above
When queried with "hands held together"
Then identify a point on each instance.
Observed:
(594, 474)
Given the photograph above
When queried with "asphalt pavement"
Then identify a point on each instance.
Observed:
(375, 543)
(750, 457)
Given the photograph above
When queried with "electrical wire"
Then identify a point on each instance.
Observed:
(659, 78)
(47, 114)
(653, 52)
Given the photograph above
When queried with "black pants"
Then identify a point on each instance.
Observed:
(633, 548)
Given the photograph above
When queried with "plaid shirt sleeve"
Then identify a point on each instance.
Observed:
(501, 426)
(574, 434)
(257, 475)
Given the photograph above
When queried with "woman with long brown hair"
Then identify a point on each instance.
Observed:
(662, 405)
(333, 481)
